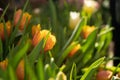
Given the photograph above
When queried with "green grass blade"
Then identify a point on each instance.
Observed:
(73, 73)
(36, 52)
(40, 70)
(90, 69)
(3, 14)
(11, 73)
(30, 72)
(53, 12)
(20, 53)
(65, 54)
(76, 32)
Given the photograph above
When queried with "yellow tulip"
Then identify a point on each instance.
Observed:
(87, 30)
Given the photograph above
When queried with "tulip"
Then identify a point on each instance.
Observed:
(8, 29)
(20, 70)
(90, 6)
(61, 76)
(87, 30)
(25, 19)
(51, 40)
(74, 19)
(104, 75)
(74, 50)
(35, 29)
(3, 64)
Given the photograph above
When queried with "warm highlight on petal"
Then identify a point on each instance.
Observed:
(87, 30)
(4, 64)
(74, 50)
(35, 29)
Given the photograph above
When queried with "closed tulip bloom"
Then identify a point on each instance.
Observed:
(35, 29)
(3, 64)
(87, 30)
(74, 19)
(51, 40)
(74, 50)
(20, 70)
(90, 6)
(8, 29)
(104, 75)
(25, 19)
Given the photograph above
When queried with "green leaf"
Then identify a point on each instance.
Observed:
(65, 54)
(11, 73)
(3, 14)
(73, 73)
(20, 53)
(40, 70)
(87, 50)
(53, 12)
(91, 68)
(35, 52)
(76, 33)
(30, 72)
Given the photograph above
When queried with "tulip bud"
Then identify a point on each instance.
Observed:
(4, 64)
(104, 75)
(74, 50)
(20, 70)
(25, 19)
(90, 6)
(8, 29)
(61, 76)
(74, 19)
(87, 30)
(35, 29)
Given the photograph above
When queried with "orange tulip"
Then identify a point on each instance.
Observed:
(4, 64)
(74, 50)
(20, 70)
(35, 29)
(8, 29)
(87, 30)
(104, 75)
(51, 40)
(25, 17)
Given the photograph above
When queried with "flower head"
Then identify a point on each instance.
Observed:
(74, 19)
(51, 40)
(8, 29)
(104, 75)
(75, 49)
(25, 18)
(4, 64)
(35, 29)
(90, 6)
(20, 70)
(87, 30)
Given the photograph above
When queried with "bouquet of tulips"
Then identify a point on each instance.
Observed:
(55, 45)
